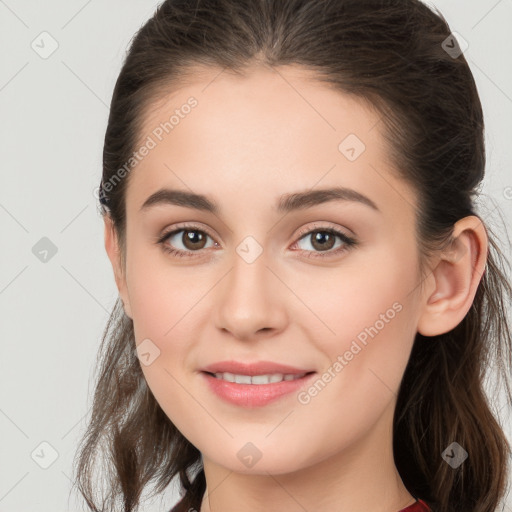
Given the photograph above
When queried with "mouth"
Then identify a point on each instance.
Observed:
(254, 391)
(258, 380)
(258, 368)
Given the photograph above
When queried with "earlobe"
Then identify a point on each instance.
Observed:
(114, 254)
(456, 278)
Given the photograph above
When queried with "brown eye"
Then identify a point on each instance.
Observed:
(193, 239)
(322, 240)
(185, 241)
(189, 240)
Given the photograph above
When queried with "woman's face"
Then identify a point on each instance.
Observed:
(252, 285)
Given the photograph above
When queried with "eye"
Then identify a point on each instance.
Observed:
(193, 240)
(323, 239)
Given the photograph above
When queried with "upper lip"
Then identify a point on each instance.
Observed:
(258, 368)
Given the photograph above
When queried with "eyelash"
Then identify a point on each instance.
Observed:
(349, 242)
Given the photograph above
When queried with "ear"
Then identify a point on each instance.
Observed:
(455, 278)
(114, 254)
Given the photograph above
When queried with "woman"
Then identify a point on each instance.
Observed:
(308, 299)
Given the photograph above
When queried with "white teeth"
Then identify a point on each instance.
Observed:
(257, 379)
(242, 379)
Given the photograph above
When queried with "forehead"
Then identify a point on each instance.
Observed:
(265, 133)
(283, 100)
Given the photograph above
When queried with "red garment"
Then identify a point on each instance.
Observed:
(419, 506)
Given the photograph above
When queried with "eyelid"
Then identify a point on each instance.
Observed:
(183, 226)
(308, 229)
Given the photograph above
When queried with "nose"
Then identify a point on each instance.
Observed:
(251, 300)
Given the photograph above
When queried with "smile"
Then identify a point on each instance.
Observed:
(253, 391)
(257, 379)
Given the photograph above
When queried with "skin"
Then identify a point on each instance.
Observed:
(248, 141)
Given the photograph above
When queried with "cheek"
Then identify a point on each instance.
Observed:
(162, 296)
(364, 292)
(368, 320)
(364, 362)
(165, 305)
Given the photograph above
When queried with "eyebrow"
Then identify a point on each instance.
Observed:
(286, 203)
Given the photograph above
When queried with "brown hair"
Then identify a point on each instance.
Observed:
(391, 53)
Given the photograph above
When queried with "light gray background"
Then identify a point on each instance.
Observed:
(53, 118)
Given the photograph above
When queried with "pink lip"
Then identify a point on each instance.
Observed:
(253, 395)
(259, 368)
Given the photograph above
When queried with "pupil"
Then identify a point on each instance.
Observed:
(194, 237)
(326, 237)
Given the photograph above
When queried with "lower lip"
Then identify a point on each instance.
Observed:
(254, 395)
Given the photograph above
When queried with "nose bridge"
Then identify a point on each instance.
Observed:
(247, 300)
